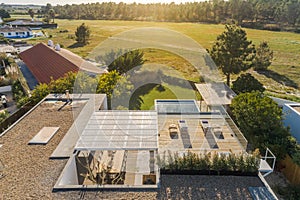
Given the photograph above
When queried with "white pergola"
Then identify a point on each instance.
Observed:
(120, 130)
(215, 94)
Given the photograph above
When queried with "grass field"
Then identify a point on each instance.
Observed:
(283, 76)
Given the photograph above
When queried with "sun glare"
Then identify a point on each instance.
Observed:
(63, 2)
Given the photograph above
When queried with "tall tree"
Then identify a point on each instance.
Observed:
(47, 8)
(122, 63)
(4, 14)
(292, 11)
(31, 13)
(107, 83)
(82, 34)
(248, 11)
(264, 56)
(232, 52)
(52, 14)
(260, 119)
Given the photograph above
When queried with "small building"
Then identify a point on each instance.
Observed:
(16, 32)
(33, 24)
(46, 62)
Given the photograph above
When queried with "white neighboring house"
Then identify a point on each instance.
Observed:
(15, 32)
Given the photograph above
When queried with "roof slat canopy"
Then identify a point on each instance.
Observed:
(120, 130)
(215, 94)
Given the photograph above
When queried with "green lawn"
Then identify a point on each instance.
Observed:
(284, 72)
(164, 91)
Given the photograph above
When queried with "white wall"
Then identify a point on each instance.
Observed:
(70, 173)
(291, 118)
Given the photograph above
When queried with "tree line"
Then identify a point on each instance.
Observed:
(284, 12)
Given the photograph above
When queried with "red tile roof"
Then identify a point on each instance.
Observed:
(44, 62)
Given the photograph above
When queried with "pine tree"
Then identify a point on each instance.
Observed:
(232, 52)
(263, 58)
(82, 34)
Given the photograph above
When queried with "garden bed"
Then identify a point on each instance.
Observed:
(207, 172)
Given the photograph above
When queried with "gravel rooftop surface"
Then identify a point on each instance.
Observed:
(30, 174)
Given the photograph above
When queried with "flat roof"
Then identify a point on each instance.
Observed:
(173, 106)
(93, 102)
(13, 29)
(215, 93)
(120, 130)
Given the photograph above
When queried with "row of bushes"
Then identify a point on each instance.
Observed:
(245, 163)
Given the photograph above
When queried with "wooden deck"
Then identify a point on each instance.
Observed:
(200, 142)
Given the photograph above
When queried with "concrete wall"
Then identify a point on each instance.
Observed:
(69, 175)
(291, 118)
(104, 104)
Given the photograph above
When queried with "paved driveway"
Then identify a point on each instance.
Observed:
(30, 79)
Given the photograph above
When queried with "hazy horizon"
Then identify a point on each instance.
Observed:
(60, 2)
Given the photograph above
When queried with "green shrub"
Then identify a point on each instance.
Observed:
(3, 115)
(232, 162)
(216, 164)
(246, 83)
(241, 163)
(193, 161)
(18, 94)
(22, 101)
(296, 157)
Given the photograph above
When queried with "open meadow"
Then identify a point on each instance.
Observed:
(283, 76)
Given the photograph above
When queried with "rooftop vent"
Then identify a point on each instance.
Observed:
(50, 43)
(57, 47)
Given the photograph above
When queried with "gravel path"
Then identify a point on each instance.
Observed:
(180, 187)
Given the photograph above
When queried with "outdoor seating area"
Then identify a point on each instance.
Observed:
(214, 135)
(173, 131)
(115, 149)
(110, 169)
(102, 167)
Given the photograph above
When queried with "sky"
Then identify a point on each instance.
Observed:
(63, 2)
